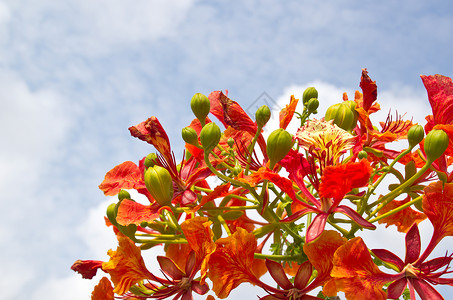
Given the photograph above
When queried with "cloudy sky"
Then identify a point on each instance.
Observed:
(75, 74)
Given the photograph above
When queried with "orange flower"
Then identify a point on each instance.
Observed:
(232, 262)
(103, 290)
(287, 113)
(126, 266)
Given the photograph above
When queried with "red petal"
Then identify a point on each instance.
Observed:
(424, 290)
(124, 176)
(316, 227)
(413, 245)
(287, 113)
(170, 268)
(131, 212)
(389, 257)
(338, 180)
(87, 268)
(440, 95)
(152, 132)
(354, 216)
(396, 288)
(279, 275)
(303, 275)
(369, 90)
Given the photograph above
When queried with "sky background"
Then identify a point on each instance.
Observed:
(75, 74)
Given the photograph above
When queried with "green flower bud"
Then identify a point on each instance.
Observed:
(415, 135)
(309, 93)
(150, 160)
(159, 184)
(436, 142)
(263, 114)
(200, 107)
(230, 142)
(342, 116)
(210, 136)
(362, 154)
(278, 145)
(312, 105)
(123, 194)
(190, 136)
(111, 214)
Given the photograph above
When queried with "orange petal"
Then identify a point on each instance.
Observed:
(124, 176)
(126, 266)
(131, 212)
(320, 253)
(356, 274)
(199, 236)
(103, 290)
(287, 113)
(178, 253)
(232, 262)
(403, 219)
(438, 206)
(87, 268)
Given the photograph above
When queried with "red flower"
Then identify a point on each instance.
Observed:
(87, 268)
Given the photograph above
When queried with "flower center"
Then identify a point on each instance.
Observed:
(410, 271)
(185, 284)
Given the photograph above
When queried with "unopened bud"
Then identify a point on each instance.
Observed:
(342, 115)
(436, 142)
(150, 160)
(312, 105)
(159, 184)
(210, 136)
(415, 135)
(190, 136)
(200, 107)
(263, 114)
(123, 194)
(309, 93)
(278, 145)
(230, 142)
(362, 154)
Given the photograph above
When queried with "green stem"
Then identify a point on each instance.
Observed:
(384, 200)
(251, 147)
(278, 257)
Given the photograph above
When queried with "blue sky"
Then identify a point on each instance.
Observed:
(74, 75)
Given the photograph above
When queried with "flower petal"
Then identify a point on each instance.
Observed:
(356, 274)
(231, 263)
(413, 245)
(199, 236)
(403, 219)
(369, 89)
(389, 258)
(103, 290)
(152, 132)
(425, 290)
(131, 212)
(87, 268)
(338, 180)
(321, 252)
(316, 227)
(287, 113)
(126, 266)
(440, 95)
(170, 268)
(124, 176)
(279, 275)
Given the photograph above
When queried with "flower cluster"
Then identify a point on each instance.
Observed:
(239, 205)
